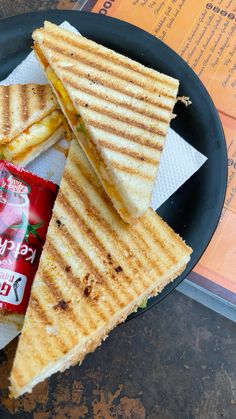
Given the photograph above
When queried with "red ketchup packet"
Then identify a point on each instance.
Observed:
(26, 203)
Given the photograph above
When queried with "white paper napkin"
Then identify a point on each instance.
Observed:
(178, 163)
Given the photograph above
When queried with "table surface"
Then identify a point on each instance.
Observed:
(176, 361)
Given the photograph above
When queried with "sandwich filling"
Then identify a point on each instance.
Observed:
(33, 136)
(78, 126)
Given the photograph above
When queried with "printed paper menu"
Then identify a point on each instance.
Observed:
(204, 34)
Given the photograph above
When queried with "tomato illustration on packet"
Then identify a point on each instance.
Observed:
(26, 203)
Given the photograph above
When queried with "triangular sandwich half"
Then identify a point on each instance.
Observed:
(30, 122)
(119, 110)
(94, 271)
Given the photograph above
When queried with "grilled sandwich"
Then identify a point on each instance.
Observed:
(94, 271)
(119, 111)
(30, 122)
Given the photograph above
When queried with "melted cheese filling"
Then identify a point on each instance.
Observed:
(33, 136)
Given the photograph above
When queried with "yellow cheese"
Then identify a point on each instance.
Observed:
(71, 112)
(33, 136)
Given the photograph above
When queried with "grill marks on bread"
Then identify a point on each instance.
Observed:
(22, 106)
(126, 109)
(112, 268)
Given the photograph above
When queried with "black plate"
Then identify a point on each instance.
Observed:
(194, 210)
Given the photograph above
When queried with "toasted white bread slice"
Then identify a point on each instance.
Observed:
(32, 153)
(30, 122)
(94, 271)
(119, 110)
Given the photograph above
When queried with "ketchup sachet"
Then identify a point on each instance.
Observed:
(26, 203)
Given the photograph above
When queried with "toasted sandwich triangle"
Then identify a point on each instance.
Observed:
(21, 106)
(94, 271)
(119, 110)
(31, 121)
